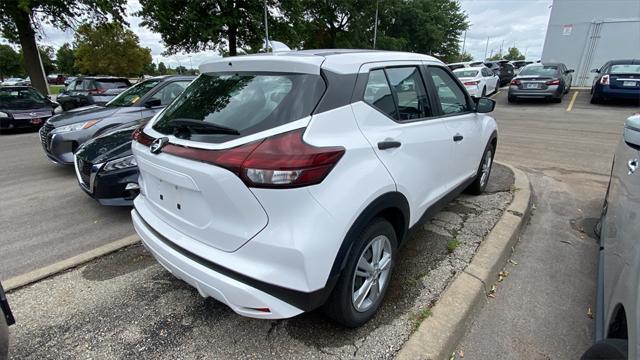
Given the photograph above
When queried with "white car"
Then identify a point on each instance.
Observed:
(279, 183)
(15, 82)
(479, 81)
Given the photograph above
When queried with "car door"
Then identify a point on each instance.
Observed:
(456, 110)
(396, 116)
(619, 236)
(490, 79)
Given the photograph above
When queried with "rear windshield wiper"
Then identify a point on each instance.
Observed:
(200, 127)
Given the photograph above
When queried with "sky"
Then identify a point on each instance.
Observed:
(519, 22)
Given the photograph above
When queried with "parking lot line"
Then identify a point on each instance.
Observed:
(49, 270)
(573, 100)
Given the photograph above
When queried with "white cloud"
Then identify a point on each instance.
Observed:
(519, 22)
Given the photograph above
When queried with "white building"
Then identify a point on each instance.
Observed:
(584, 34)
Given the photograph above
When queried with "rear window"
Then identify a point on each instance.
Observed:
(455, 66)
(625, 69)
(112, 84)
(466, 73)
(244, 102)
(540, 70)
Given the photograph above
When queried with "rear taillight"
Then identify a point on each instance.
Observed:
(604, 80)
(471, 83)
(97, 91)
(553, 82)
(515, 82)
(139, 136)
(281, 161)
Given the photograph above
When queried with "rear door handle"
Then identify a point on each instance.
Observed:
(389, 144)
(458, 137)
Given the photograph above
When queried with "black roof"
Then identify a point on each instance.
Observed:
(16, 87)
(629, 62)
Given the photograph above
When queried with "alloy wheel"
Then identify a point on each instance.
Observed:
(372, 273)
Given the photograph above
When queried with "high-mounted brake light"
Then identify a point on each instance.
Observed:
(604, 80)
(281, 161)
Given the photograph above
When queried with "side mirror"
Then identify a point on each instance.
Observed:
(570, 71)
(597, 71)
(485, 105)
(632, 131)
(152, 103)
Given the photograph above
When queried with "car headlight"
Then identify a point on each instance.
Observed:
(121, 163)
(75, 127)
(3, 114)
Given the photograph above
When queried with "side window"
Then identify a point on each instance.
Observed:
(409, 93)
(170, 92)
(452, 98)
(378, 94)
(87, 84)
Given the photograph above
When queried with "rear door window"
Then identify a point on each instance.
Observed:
(378, 94)
(409, 93)
(244, 102)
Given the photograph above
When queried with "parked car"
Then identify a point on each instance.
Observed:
(503, 69)
(23, 107)
(541, 81)
(6, 320)
(618, 291)
(617, 79)
(479, 81)
(518, 64)
(63, 133)
(90, 90)
(277, 184)
(106, 169)
(56, 79)
(16, 82)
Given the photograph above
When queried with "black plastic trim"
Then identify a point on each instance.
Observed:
(305, 301)
(338, 92)
(6, 310)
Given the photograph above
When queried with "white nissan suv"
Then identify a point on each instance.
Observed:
(281, 183)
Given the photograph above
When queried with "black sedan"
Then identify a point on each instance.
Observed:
(106, 168)
(23, 107)
(503, 69)
(617, 79)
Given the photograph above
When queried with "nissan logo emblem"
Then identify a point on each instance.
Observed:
(158, 144)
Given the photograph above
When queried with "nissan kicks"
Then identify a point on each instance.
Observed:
(278, 184)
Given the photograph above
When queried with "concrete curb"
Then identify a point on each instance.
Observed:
(50, 270)
(439, 334)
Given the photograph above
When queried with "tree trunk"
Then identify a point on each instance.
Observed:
(32, 61)
(233, 40)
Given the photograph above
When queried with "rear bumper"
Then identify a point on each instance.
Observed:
(11, 123)
(608, 92)
(550, 92)
(238, 295)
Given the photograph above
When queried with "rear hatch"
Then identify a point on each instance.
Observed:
(190, 184)
(533, 82)
(625, 76)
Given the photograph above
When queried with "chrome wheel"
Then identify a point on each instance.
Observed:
(372, 273)
(486, 168)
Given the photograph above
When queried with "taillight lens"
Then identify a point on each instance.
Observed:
(97, 91)
(139, 136)
(281, 161)
(472, 83)
(553, 82)
(515, 82)
(604, 80)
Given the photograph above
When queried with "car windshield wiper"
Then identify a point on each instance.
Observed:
(200, 127)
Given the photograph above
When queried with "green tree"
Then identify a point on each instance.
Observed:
(150, 69)
(496, 56)
(21, 20)
(65, 59)
(190, 26)
(162, 68)
(10, 63)
(111, 49)
(46, 55)
(465, 56)
(514, 54)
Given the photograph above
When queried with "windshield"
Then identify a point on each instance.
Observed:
(239, 104)
(540, 70)
(625, 69)
(466, 73)
(132, 95)
(20, 99)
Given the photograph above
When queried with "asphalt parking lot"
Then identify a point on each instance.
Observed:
(125, 305)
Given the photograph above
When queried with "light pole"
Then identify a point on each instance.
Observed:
(190, 63)
(375, 26)
(266, 29)
(486, 48)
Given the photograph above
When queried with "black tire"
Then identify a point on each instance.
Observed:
(512, 99)
(339, 306)
(479, 184)
(595, 100)
(557, 100)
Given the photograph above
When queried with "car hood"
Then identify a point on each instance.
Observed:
(39, 108)
(89, 113)
(112, 145)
